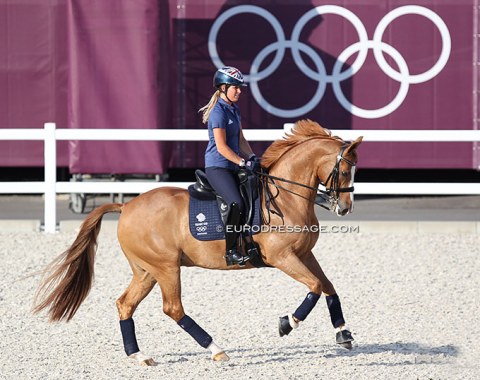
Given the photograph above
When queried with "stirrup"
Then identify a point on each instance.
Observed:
(233, 257)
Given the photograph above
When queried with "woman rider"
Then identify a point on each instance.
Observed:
(227, 151)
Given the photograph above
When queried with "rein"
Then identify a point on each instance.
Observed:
(330, 194)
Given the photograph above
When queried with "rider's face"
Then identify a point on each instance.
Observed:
(233, 93)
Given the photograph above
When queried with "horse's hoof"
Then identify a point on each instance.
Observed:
(287, 324)
(221, 357)
(284, 327)
(344, 338)
(142, 359)
(347, 345)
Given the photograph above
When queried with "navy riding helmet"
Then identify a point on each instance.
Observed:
(228, 75)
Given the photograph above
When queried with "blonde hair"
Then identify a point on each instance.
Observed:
(206, 109)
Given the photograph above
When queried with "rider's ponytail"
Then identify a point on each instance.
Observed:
(208, 108)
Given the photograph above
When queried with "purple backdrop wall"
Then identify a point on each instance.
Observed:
(33, 75)
(113, 82)
(149, 64)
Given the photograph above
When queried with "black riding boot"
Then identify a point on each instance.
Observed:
(232, 231)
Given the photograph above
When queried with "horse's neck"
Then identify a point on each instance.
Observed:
(299, 165)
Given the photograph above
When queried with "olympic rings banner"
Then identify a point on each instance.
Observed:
(345, 64)
(319, 74)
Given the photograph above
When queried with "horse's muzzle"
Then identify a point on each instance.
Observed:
(342, 209)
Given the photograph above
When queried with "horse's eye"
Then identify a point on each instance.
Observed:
(344, 173)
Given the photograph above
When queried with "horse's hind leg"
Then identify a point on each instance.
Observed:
(141, 284)
(169, 280)
(344, 336)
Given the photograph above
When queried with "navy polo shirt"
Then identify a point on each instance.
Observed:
(227, 117)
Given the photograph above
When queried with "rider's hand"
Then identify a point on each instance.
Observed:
(252, 164)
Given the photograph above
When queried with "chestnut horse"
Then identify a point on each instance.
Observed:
(154, 235)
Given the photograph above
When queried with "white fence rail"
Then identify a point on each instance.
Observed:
(50, 135)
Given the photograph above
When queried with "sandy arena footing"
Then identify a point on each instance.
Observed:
(410, 300)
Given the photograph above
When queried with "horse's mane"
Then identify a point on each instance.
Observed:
(303, 130)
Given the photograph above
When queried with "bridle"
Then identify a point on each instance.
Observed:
(334, 178)
(330, 195)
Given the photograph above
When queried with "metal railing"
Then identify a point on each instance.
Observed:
(50, 135)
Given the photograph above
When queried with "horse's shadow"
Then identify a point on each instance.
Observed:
(421, 353)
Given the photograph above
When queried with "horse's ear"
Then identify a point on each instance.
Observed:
(354, 145)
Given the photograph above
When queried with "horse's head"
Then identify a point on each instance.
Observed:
(310, 155)
(338, 178)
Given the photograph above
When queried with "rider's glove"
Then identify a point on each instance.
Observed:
(252, 164)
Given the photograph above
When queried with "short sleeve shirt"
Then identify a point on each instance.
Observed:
(227, 117)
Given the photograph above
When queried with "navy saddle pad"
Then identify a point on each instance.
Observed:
(206, 222)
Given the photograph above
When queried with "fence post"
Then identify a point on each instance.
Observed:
(50, 154)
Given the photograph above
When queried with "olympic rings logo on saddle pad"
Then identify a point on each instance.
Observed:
(364, 44)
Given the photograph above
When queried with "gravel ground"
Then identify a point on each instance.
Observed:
(411, 302)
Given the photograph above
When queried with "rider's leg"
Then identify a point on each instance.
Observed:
(225, 184)
(232, 231)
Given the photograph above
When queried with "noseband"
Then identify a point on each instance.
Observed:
(330, 195)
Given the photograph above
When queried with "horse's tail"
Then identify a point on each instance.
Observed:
(71, 274)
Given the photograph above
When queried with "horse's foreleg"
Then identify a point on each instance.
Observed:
(140, 286)
(169, 281)
(344, 336)
(295, 268)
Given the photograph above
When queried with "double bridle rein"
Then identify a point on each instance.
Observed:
(330, 194)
